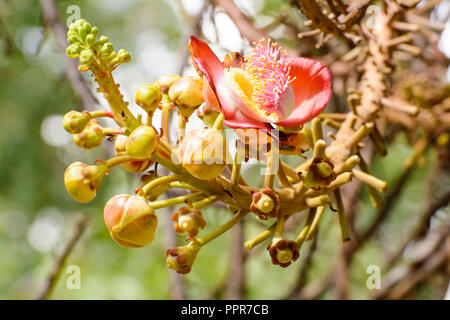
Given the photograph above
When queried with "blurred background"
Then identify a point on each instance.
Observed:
(38, 218)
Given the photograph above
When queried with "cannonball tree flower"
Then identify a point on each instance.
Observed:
(266, 88)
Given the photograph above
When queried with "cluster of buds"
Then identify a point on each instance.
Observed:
(199, 158)
(84, 45)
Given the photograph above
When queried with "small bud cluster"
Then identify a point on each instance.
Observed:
(84, 45)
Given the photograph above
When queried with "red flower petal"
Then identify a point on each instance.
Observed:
(206, 60)
(312, 89)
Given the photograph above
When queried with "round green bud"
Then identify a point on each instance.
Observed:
(86, 56)
(133, 165)
(106, 49)
(91, 137)
(75, 122)
(148, 96)
(73, 51)
(123, 56)
(165, 82)
(142, 142)
(82, 181)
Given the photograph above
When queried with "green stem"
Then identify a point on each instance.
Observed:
(317, 133)
(342, 217)
(174, 201)
(282, 176)
(222, 229)
(101, 113)
(269, 176)
(159, 181)
(117, 160)
(113, 131)
(315, 223)
(279, 227)
(206, 202)
(236, 170)
(165, 121)
(182, 185)
(122, 115)
(303, 233)
(250, 244)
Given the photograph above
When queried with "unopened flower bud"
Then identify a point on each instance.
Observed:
(106, 49)
(188, 220)
(130, 220)
(74, 50)
(133, 165)
(181, 259)
(165, 82)
(142, 142)
(265, 204)
(82, 181)
(91, 137)
(87, 56)
(148, 96)
(75, 122)
(319, 174)
(186, 93)
(123, 56)
(283, 252)
(203, 153)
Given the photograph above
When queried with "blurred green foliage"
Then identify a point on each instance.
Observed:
(34, 204)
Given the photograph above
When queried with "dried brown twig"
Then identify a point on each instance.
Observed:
(59, 262)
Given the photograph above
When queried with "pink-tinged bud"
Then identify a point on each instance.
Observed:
(203, 153)
(75, 122)
(187, 94)
(148, 97)
(188, 220)
(165, 82)
(133, 165)
(142, 142)
(283, 252)
(181, 259)
(130, 220)
(319, 174)
(265, 204)
(83, 181)
(91, 137)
